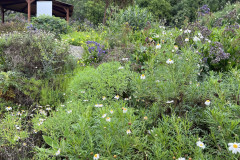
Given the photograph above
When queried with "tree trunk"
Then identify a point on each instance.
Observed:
(105, 12)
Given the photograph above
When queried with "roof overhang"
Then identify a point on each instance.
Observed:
(59, 8)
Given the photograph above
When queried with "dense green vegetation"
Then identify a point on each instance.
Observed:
(171, 12)
(142, 90)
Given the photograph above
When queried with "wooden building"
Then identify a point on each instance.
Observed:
(59, 9)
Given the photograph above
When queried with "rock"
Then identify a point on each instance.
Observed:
(76, 51)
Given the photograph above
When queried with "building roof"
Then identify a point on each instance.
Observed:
(59, 8)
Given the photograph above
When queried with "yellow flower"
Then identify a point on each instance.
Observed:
(73, 39)
(145, 118)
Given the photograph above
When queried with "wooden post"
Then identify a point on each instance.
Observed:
(29, 9)
(2, 12)
(67, 14)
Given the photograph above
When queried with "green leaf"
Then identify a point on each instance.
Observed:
(51, 142)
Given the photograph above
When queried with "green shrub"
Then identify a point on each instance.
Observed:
(80, 38)
(15, 87)
(107, 80)
(12, 27)
(52, 24)
(34, 54)
(160, 9)
(136, 17)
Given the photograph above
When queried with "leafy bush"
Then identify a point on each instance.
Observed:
(160, 9)
(52, 24)
(12, 27)
(136, 17)
(227, 16)
(35, 54)
(108, 80)
(80, 38)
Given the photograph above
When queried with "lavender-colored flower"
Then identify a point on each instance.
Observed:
(218, 23)
(30, 27)
(217, 53)
(94, 47)
(204, 10)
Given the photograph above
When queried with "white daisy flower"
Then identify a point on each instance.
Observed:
(129, 131)
(169, 61)
(103, 116)
(158, 46)
(42, 112)
(142, 76)
(96, 157)
(195, 39)
(157, 81)
(8, 108)
(104, 98)
(181, 158)
(17, 127)
(82, 91)
(124, 110)
(19, 113)
(200, 144)
(111, 111)
(98, 105)
(121, 67)
(17, 138)
(162, 27)
(170, 101)
(126, 99)
(58, 152)
(187, 31)
(125, 59)
(207, 102)
(85, 100)
(108, 119)
(42, 120)
(149, 131)
(116, 97)
(70, 111)
(145, 118)
(200, 35)
(234, 147)
(186, 39)
(175, 47)
(48, 109)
